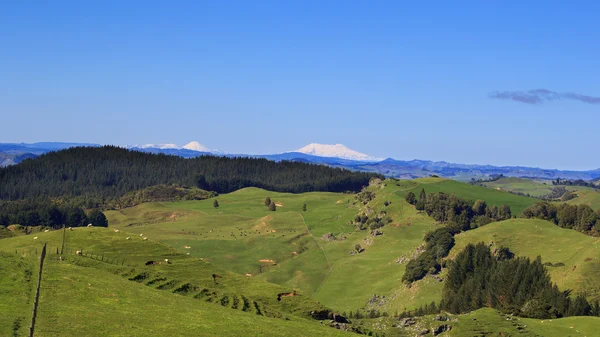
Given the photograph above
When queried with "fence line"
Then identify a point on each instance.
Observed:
(37, 291)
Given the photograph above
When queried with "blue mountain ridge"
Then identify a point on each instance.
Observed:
(13, 153)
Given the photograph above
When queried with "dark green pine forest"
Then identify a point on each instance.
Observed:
(112, 171)
(55, 188)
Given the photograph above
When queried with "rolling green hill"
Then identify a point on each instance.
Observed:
(585, 195)
(79, 299)
(260, 254)
(491, 196)
(579, 253)
(521, 185)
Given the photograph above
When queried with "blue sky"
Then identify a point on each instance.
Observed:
(392, 79)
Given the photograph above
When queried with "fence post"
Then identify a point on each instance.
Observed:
(62, 247)
(37, 292)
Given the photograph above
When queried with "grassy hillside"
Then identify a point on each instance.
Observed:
(80, 300)
(493, 323)
(488, 322)
(579, 253)
(526, 186)
(241, 233)
(491, 196)
(585, 195)
(260, 254)
(183, 270)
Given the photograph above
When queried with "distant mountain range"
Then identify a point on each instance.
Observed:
(336, 155)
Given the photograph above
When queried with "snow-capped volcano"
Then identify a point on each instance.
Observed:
(195, 146)
(335, 151)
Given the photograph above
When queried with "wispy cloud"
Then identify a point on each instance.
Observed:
(539, 96)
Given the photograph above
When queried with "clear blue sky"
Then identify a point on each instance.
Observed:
(392, 79)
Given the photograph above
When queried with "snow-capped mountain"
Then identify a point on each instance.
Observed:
(195, 146)
(334, 151)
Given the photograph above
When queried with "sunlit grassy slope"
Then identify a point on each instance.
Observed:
(490, 195)
(86, 300)
(579, 253)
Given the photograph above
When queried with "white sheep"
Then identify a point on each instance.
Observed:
(128, 238)
(145, 238)
(166, 260)
(70, 228)
(35, 238)
(78, 252)
(89, 225)
(46, 231)
(116, 230)
(141, 234)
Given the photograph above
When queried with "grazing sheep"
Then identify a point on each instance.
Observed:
(249, 275)
(116, 231)
(145, 238)
(129, 237)
(78, 253)
(141, 234)
(70, 228)
(89, 225)
(188, 253)
(46, 231)
(35, 238)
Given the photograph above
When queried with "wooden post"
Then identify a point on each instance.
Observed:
(37, 292)
(62, 247)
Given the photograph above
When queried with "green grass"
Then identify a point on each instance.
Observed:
(232, 239)
(492, 196)
(490, 322)
(526, 186)
(242, 232)
(16, 294)
(80, 300)
(587, 196)
(239, 234)
(531, 237)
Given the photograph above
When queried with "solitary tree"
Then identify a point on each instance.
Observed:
(272, 207)
(420, 206)
(268, 201)
(216, 204)
(304, 208)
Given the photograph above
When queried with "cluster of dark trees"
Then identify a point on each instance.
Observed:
(581, 218)
(477, 278)
(270, 204)
(459, 215)
(437, 246)
(112, 171)
(363, 221)
(479, 182)
(576, 182)
(33, 213)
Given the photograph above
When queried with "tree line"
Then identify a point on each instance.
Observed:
(478, 278)
(575, 182)
(34, 213)
(581, 218)
(109, 171)
(458, 215)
